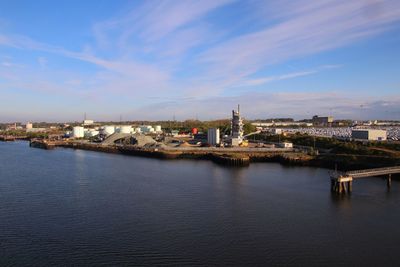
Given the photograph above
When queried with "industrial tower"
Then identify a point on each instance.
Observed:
(237, 128)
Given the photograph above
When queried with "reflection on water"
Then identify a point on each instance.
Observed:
(72, 207)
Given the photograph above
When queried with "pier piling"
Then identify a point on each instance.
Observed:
(389, 181)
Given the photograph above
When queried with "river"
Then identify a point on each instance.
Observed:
(74, 207)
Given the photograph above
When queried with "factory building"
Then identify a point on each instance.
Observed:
(213, 136)
(369, 134)
(237, 128)
(322, 121)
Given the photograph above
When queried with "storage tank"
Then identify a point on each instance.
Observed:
(91, 133)
(78, 132)
(158, 129)
(125, 129)
(108, 130)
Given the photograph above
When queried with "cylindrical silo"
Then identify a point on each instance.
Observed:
(108, 130)
(78, 132)
(125, 129)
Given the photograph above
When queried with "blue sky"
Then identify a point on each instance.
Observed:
(156, 59)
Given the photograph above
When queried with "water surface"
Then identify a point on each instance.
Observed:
(74, 207)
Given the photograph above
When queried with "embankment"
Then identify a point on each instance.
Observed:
(341, 161)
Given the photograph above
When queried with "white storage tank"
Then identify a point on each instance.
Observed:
(158, 129)
(125, 129)
(146, 129)
(91, 133)
(78, 132)
(108, 130)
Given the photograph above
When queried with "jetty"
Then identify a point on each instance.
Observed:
(342, 182)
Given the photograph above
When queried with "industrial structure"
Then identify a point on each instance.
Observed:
(369, 134)
(78, 132)
(213, 136)
(236, 128)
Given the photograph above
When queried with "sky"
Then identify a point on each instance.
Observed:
(161, 59)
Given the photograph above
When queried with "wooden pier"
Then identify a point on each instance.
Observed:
(342, 182)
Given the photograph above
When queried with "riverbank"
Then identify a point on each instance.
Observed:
(231, 157)
(12, 138)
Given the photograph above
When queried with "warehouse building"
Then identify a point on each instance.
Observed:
(369, 134)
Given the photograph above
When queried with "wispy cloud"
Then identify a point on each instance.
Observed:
(287, 76)
(260, 81)
(269, 105)
(309, 30)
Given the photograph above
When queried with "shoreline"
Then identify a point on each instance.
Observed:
(223, 157)
(234, 157)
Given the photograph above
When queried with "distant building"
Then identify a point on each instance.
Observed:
(285, 145)
(281, 124)
(322, 121)
(369, 134)
(28, 126)
(213, 136)
(88, 122)
(237, 128)
(276, 131)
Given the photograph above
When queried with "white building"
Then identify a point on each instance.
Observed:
(88, 122)
(78, 132)
(286, 145)
(213, 136)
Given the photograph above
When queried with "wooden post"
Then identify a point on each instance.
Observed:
(389, 181)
